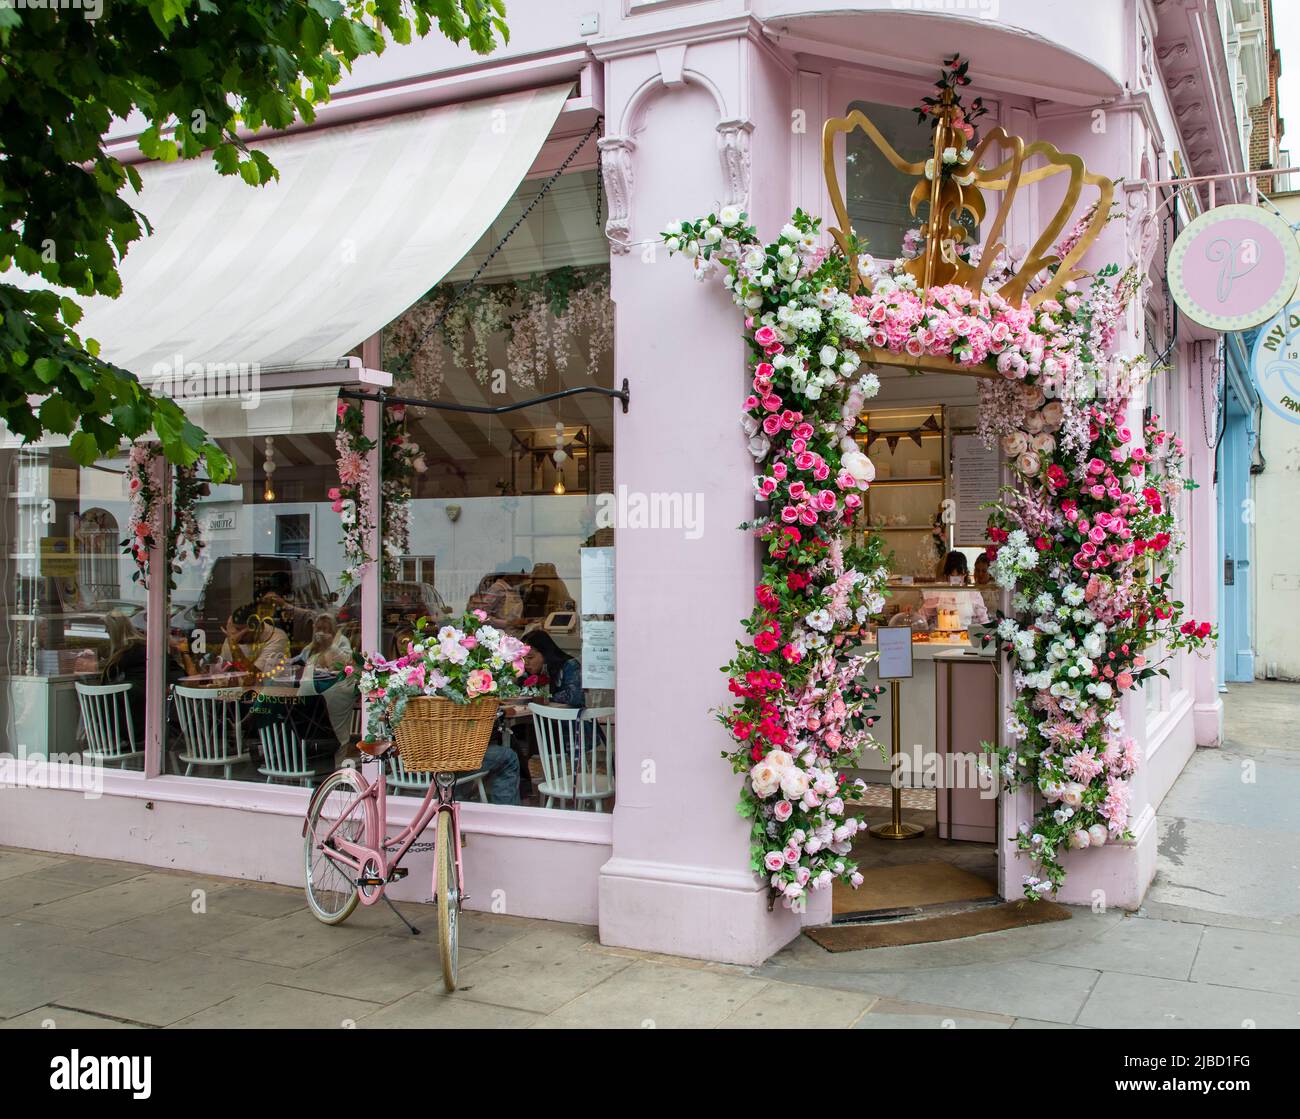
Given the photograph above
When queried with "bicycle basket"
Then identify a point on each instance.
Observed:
(437, 735)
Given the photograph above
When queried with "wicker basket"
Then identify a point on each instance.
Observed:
(439, 736)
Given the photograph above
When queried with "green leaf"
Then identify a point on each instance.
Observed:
(84, 448)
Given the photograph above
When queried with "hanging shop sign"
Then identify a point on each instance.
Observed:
(1234, 267)
(1275, 363)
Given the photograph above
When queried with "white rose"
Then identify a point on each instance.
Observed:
(729, 215)
(794, 782)
(1098, 835)
(765, 778)
(857, 464)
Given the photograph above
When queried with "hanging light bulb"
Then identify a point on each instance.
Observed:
(268, 466)
(559, 489)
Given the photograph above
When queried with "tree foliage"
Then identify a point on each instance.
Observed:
(194, 72)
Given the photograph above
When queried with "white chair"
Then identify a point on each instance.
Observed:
(569, 741)
(284, 754)
(401, 779)
(209, 719)
(106, 720)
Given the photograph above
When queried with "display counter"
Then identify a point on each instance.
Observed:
(917, 738)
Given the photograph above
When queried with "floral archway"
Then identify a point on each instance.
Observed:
(1085, 538)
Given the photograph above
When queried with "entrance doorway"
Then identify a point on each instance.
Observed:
(933, 474)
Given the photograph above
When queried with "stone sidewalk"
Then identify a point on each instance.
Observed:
(89, 943)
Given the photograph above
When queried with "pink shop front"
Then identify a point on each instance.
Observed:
(606, 520)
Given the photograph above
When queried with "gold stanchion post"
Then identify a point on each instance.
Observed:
(895, 829)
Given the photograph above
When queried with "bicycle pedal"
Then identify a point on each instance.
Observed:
(370, 882)
(398, 873)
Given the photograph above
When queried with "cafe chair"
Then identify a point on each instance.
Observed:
(572, 743)
(106, 721)
(401, 779)
(209, 719)
(284, 754)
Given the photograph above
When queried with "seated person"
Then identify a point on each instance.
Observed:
(253, 645)
(968, 602)
(323, 663)
(561, 673)
(127, 665)
(502, 765)
(279, 608)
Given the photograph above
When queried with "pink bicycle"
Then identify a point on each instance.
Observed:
(350, 858)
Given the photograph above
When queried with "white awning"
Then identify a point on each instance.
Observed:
(299, 411)
(363, 220)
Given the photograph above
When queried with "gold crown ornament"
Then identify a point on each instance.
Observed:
(952, 187)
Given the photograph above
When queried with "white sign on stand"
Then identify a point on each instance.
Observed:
(894, 644)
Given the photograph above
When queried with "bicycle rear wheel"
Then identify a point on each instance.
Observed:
(332, 892)
(448, 899)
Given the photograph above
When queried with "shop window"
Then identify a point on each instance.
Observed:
(73, 625)
(259, 630)
(507, 515)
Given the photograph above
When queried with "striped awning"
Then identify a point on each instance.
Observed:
(363, 220)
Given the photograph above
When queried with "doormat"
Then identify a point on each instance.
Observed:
(908, 886)
(929, 930)
(882, 796)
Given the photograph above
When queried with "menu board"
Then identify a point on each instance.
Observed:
(975, 482)
(894, 644)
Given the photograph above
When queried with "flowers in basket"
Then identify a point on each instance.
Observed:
(462, 662)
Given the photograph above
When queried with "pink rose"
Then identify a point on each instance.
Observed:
(782, 810)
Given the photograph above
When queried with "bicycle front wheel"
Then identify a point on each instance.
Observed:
(448, 899)
(332, 892)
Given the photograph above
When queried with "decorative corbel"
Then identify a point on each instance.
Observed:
(616, 169)
(733, 149)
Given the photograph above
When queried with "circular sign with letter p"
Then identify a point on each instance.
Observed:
(1234, 267)
(1275, 364)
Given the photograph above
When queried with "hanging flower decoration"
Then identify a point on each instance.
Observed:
(184, 536)
(801, 710)
(403, 460)
(541, 321)
(144, 523)
(1086, 537)
(185, 541)
(351, 499)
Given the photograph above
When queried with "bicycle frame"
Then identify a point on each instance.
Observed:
(358, 857)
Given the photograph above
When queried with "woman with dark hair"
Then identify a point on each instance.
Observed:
(563, 673)
(955, 563)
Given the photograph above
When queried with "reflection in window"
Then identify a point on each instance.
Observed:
(258, 637)
(73, 625)
(504, 518)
